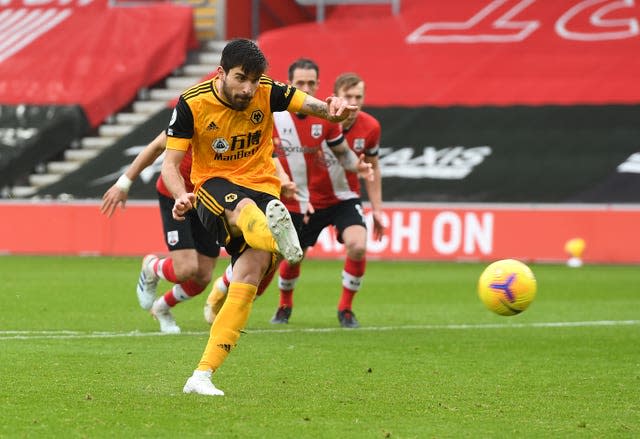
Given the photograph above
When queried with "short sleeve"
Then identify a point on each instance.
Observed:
(285, 97)
(180, 129)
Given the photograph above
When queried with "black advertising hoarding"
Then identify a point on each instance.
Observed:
(543, 154)
(97, 175)
(511, 154)
(32, 134)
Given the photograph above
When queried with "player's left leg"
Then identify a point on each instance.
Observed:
(349, 221)
(196, 268)
(352, 274)
(234, 314)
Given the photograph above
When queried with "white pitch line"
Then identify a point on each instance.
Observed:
(35, 335)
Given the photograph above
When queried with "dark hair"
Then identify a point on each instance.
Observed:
(243, 53)
(305, 64)
(346, 80)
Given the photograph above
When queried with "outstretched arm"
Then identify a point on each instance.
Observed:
(118, 193)
(333, 109)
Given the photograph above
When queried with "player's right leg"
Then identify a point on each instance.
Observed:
(155, 268)
(288, 276)
(184, 265)
(266, 227)
(284, 231)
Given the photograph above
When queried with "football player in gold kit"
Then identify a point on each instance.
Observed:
(228, 120)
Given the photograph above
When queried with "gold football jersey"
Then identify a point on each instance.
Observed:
(227, 143)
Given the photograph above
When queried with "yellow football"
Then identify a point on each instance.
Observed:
(507, 287)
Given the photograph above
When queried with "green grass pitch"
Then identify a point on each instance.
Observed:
(79, 358)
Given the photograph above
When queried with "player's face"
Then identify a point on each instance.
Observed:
(354, 96)
(238, 88)
(305, 80)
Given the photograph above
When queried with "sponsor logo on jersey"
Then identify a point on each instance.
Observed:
(212, 126)
(220, 145)
(237, 147)
(172, 237)
(316, 130)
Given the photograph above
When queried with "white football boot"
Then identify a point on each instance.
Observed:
(283, 231)
(200, 383)
(161, 311)
(147, 283)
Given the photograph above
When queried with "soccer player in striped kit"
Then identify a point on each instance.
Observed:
(335, 197)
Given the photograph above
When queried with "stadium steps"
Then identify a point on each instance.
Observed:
(148, 102)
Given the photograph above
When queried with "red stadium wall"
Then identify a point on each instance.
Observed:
(416, 231)
(273, 14)
(474, 52)
(88, 53)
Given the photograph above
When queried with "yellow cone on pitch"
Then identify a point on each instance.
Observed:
(575, 248)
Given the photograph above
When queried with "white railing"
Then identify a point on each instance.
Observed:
(320, 5)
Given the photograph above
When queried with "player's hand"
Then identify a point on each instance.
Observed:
(288, 190)
(111, 199)
(310, 211)
(182, 205)
(378, 227)
(365, 170)
(339, 108)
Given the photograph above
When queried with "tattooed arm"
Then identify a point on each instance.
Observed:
(333, 109)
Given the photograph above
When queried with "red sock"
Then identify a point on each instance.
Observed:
(351, 280)
(182, 292)
(289, 275)
(164, 269)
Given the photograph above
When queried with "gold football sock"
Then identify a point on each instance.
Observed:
(255, 229)
(225, 330)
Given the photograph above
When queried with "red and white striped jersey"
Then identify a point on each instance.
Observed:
(339, 185)
(299, 141)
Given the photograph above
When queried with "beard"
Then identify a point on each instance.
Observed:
(237, 102)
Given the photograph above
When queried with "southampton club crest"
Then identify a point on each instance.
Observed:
(316, 130)
(172, 237)
(220, 145)
(358, 144)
